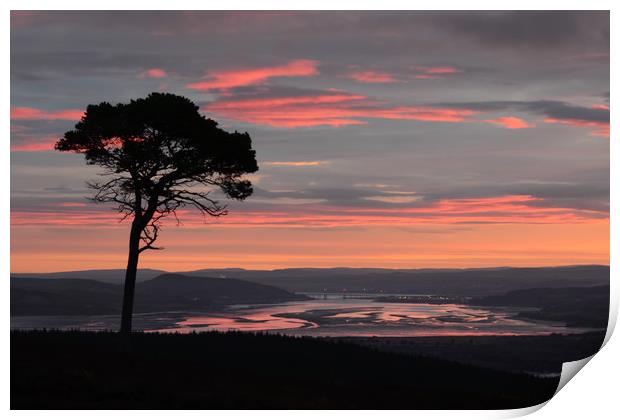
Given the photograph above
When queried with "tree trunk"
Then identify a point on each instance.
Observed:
(130, 278)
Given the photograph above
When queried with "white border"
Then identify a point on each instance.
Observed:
(592, 394)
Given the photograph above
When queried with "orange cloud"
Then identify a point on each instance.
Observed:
(244, 77)
(25, 113)
(154, 73)
(512, 123)
(72, 204)
(434, 72)
(32, 147)
(33, 144)
(372, 77)
(326, 110)
(441, 70)
(601, 129)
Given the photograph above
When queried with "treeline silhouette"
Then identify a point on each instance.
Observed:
(88, 370)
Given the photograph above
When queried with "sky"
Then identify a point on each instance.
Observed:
(384, 139)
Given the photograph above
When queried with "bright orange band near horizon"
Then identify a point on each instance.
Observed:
(462, 233)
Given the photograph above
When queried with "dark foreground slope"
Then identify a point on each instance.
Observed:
(237, 370)
(540, 354)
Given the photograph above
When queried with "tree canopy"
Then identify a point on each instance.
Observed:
(160, 154)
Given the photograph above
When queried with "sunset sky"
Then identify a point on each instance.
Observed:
(384, 139)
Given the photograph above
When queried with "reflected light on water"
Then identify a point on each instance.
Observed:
(361, 317)
(330, 318)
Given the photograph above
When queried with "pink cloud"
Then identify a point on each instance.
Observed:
(372, 77)
(25, 113)
(335, 110)
(154, 73)
(512, 123)
(65, 216)
(249, 104)
(601, 129)
(244, 77)
(516, 209)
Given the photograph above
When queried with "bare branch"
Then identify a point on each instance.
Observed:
(149, 236)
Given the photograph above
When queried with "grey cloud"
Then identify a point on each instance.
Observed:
(531, 29)
(587, 195)
(48, 65)
(592, 195)
(606, 96)
(110, 45)
(547, 108)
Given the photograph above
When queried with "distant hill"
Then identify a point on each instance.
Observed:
(113, 276)
(63, 297)
(179, 292)
(577, 306)
(458, 282)
(164, 293)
